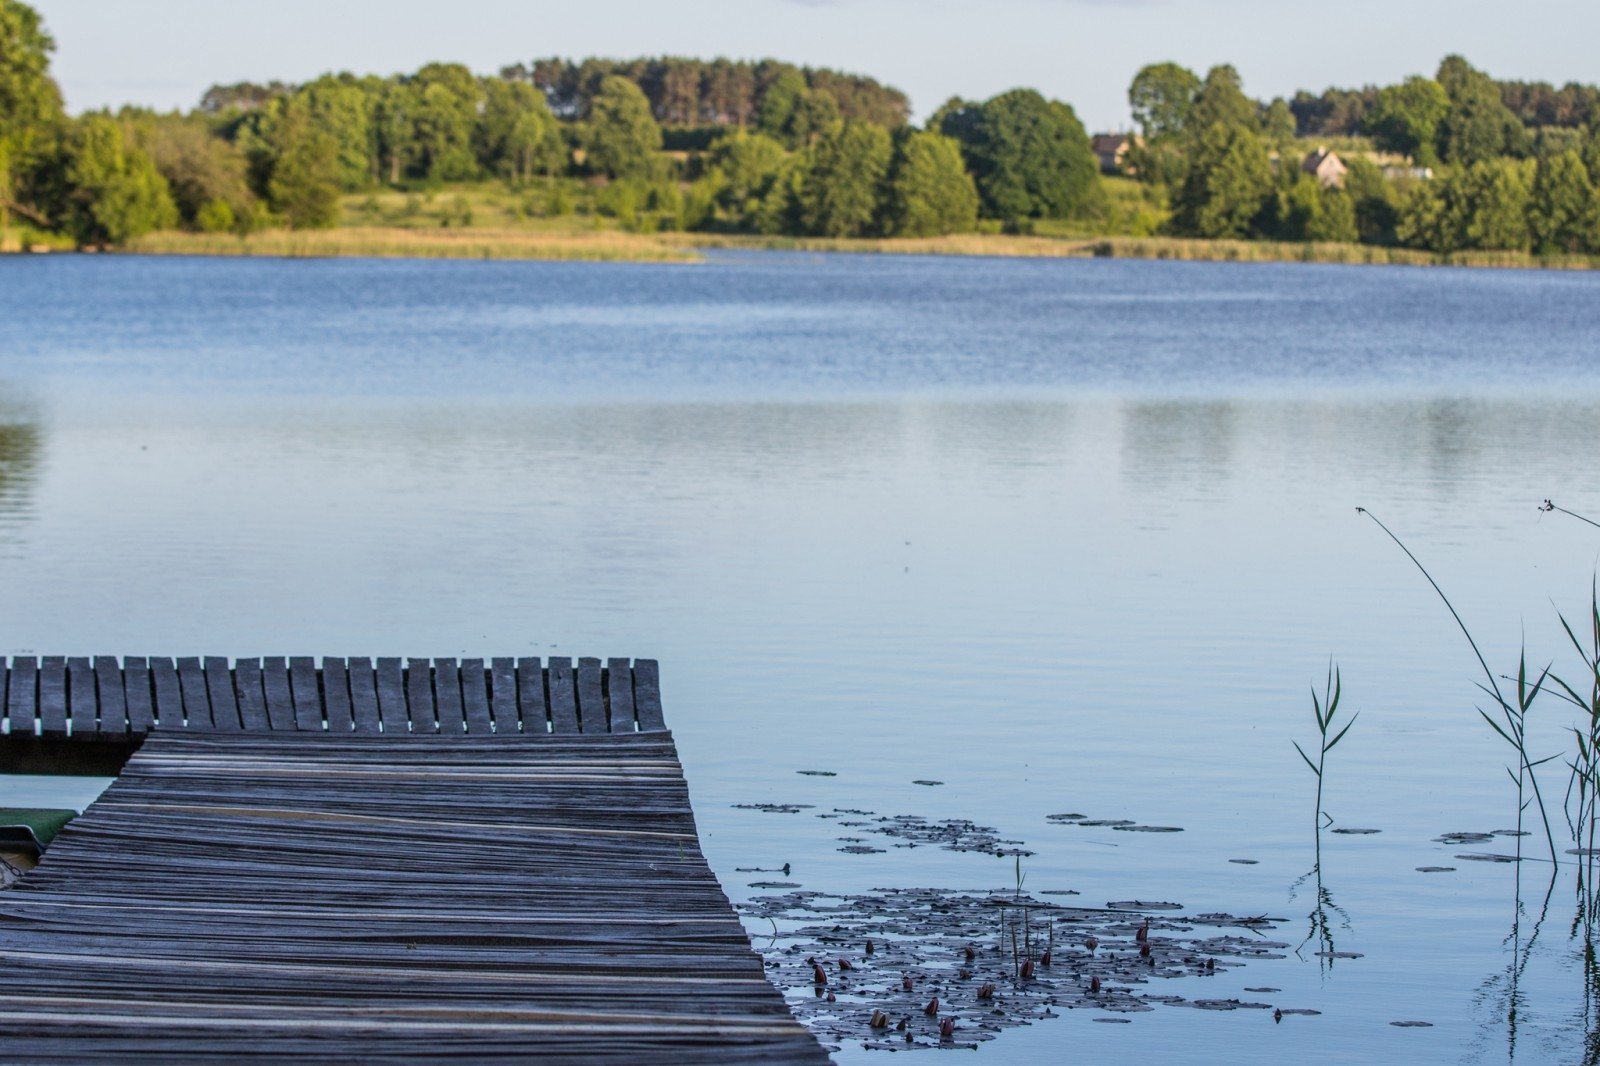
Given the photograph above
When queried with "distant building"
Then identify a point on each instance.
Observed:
(1111, 148)
(1326, 167)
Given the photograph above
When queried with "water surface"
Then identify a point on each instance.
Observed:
(1069, 536)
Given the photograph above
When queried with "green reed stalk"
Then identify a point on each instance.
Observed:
(1324, 709)
(1514, 730)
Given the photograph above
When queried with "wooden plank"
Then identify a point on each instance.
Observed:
(5, 704)
(251, 695)
(168, 698)
(280, 701)
(647, 695)
(83, 703)
(53, 696)
(22, 695)
(113, 700)
(559, 686)
(136, 689)
(307, 694)
(447, 696)
(503, 690)
(225, 714)
(592, 697)
(392, 696)
(192, 687)
(534, 707)
(336, 696)
(475, 697)
(363, 695)
(619, 694)
(419, 697)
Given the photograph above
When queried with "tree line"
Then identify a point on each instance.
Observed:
(1467, 172)
(769, 147)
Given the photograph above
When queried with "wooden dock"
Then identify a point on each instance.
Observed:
(375, 862)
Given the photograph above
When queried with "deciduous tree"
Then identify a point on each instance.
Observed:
(930, 191)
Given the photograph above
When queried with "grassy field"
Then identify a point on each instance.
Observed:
(394, 242)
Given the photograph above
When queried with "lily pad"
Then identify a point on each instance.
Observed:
(817, 773)
(1143, 905)
(1356, 832)
(1435, 869)
(1148, 828)
(1412, 1025)
(920, 781)
(1246, 862)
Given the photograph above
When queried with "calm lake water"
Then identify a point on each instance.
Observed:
(1065, 536)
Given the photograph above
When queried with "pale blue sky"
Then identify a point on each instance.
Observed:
(165, 52)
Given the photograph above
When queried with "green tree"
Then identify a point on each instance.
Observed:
(1375, 201)
(1484, 206)
(517, 136)
(1406, 118)
(1277, 122)
(1227, 187)
(1591, 149)
(748, 165)
(1563, 208)
(342, 107)
(1221, 99)
(817, 116)
(775, 116)
(1478, 126)
(201, 169)
(30, 105)
(1162, 96)
(444, 101)
(623, 137)
(117, 192)
(1337, 219)
(1029, 156)
(930, 191)
(304, 186)
(843, 186)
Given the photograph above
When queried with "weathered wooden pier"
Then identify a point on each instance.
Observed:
(374, 861)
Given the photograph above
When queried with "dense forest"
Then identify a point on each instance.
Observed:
(1443, 163)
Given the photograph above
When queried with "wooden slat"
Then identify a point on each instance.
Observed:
(307, 694)
(419, 697)
(192, 687)
(136, 689)
(336, 696)
(591, 697)
(83, 704)
(53, 695)
(447, 696)
(559, 685)
(363, 695)
(534, 708)
(169, 700)
(22, 695)
(392, 696)
(475, 697)
(503, 689)
(647, 695)
(225, 713)
(280, 700)
(113, 699)
(250, 695)
(619, 694)
(5, 702)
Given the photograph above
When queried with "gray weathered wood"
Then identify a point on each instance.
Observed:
(251, 696)
(280, 698)
(592, 713)
(22, 696)
(392, 696)
(225, 714)
(336, 696)
(619, 695)
(136, 687)
(475, 697)
(113, 699)
(647, 695)
(168, 699)
(447, 697)
(306, 694)
(83, 704)
(363, 695)
(419, 696)
(53, 695)
(562, 693)
(531, 698)
(192, 688)
(503, 686)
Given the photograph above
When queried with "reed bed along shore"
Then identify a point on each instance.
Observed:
(453, 243)
(615, 245)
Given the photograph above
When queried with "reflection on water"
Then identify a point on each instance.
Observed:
(19, 448)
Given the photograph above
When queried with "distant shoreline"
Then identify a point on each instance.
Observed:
(610, 245)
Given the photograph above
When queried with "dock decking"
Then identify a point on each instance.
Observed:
(301, 889)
